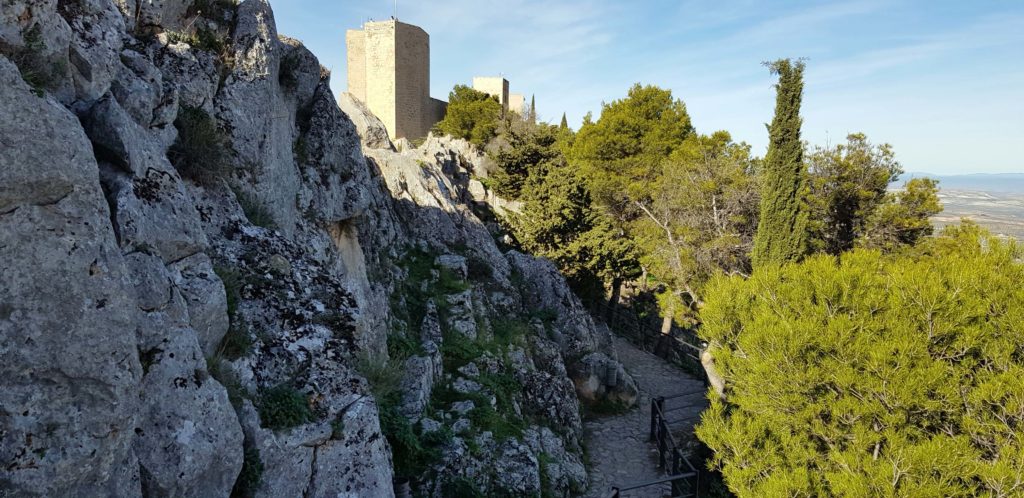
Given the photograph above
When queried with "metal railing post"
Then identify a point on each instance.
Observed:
(654, 417)
(676, 457)
(662, 446)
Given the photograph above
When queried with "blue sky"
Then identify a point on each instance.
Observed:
(943, 81)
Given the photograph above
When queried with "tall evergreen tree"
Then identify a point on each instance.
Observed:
(782, 228)
(533, 108)
(565, 123)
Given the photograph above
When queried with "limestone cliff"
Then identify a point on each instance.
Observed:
(203, 265)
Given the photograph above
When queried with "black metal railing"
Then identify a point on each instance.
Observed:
(679, 346)
(671, 457)
(616, 491)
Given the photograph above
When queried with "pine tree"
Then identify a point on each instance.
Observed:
(782, 228)
(869, 374)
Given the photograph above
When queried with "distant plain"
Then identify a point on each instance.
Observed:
(994, 201)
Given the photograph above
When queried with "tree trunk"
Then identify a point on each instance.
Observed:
(666, 323)
(613, 301)
(662, 342)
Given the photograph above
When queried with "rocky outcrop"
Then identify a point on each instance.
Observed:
(69, 366)
(586, 347)
(372, 131)
(170, 330)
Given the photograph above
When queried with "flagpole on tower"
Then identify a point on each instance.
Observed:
(396, 10)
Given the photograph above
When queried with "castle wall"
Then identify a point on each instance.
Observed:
(412, 74)
(381, 83)
(355, 41)
(437, 110)
(389, 71)
(517, 103)
(496, 86)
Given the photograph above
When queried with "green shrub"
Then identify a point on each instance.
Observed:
(251, 476)
(283, 407)
(509, 331)
(201, 39)
(36, 69)
(605, 406)
(383, 376)
(200, 152)
(501, 419)
(471, 115)
(479, 269)
(254, 210)
(227, 378)
(237, 341)
(462, 487)
(216, 10)
(449, 283)
(299, 150)
(457, 350)
(232, 280)
(544, 461)
(872, 375)
(287, 74)
(402, 346)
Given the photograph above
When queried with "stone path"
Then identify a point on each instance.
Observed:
(620, 453)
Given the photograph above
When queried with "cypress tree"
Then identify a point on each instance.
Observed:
(782, 232)
(533, 108)
(565, 123)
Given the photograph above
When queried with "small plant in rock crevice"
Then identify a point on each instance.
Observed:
(39, 71)
(251, 475)
(203, 39)
(200, 152)
(237, 342)
(254, 210)
(215, 10)
(283, 407)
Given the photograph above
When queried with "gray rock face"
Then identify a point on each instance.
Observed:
(287, 466)
(371, 130)
(139, 89)
(586, 347)
(519, 472)
(562, 469)
(417, 384)
(205, 299)
(189, 439)
(36, 37)
(154, 15)
(120, 140)
(190, 76)
(69, 370)
(93, 52)
(460, 314)
(110, 309)
(433, 204)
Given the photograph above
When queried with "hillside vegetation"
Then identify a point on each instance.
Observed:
(868, 374)
(860, 355)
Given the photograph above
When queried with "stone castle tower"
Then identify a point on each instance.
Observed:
(389, 71)
(495, 86)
